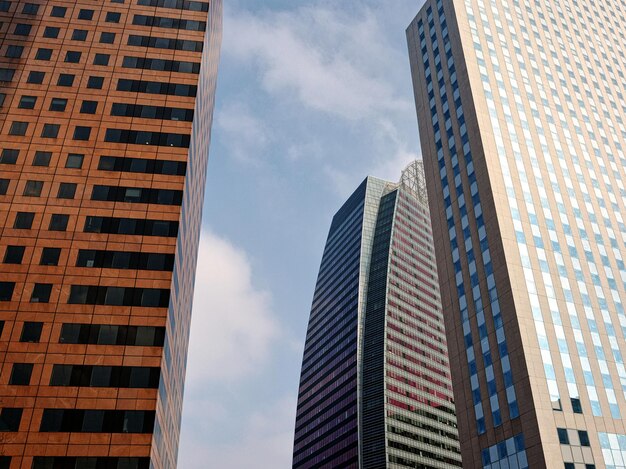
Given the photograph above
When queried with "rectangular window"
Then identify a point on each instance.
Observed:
(67, 190)
(24, 220)
(31, 332)
(107, 38)
(33, 188)
(9, 156)
(74, 160)
(36, 78)
(563, 436)
(14, 51)
(10, 419)
(113, 17)
(6, 292)
(89, 107)
(21, 373)
(42, 158)
(65, 79)
(79, 35)
(58, 12)
(51, 32)
(4, 186)
(22, 29)
(85, 14)
(50, 256)
(50, 130)
(6, 74)
(41, 293)
(95, 83)
(58, 222)
(58, 104)
(30, 9)
(101, 59)
(82, 133)
(18, 128)
(14, 254)
(43, 54)
(72, 56)
(27, 102)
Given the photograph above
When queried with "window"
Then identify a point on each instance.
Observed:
(24, 220)
(50, 130)
(10, 419)
(50, 256)
(98, 421)
(101, 59)
(58, 12)
(47, 462)
(5, 5)
(6, 74)
(14, 52)
(95, 83)
(178, 66)
(31, 332)
(30, 9)
(119, 296)
(3, 97)
(67, 190)
(113, 17)
(27, 102)
(147, 138)
(41, 293)
(6, 292)
(35, 78)
(43, 54)
(9, 156)
(82, 133)
(178, 4)
(583, 436)
(576, 406)
(21, 373)
(89, 107)
(58, 104)
(58, 222)
(65, 79)
(79, 35)
(72, 56)
(105, 376)
(42, 158)
(22, 29)
(107, 38)
(74, 161)
(51, 32)
(563, 436)
(33, 188)
(85, 14)
(172, 23)
(14, 254)
(4, 186)
(18, 128)
(142, 336)
(155, 87)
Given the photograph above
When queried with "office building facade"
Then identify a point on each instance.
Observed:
(521, 116)
(375, 386)
(105, 120)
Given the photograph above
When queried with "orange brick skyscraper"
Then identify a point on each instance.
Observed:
(105, 120)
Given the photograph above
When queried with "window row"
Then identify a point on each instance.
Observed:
(142, 165)
(111, 334)
(52, 32)
(137, 195)
(171, 23)
(24, 221)
(152, 112)
(156, 87)
(36, 77)
(15, 255)
(99, 462)
(19, 129)
(125, 260)
(57, 104)
(89, 295)
(136, 137)
(191, 5)
(97, 421)
(119, 296)
(165, 43)
(67, 190)
(131, 226)
(142, 377)
(162, 65)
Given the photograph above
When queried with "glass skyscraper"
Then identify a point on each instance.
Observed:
(375, 385)
(521, 114)
(105, 123)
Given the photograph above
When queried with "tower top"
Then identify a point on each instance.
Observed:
(413, 178)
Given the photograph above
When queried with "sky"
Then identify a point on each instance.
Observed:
(312, 96)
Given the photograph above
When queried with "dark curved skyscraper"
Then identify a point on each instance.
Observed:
(375, 384)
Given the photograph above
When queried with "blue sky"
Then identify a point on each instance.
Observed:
(312, 97)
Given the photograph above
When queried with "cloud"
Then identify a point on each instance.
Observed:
(246, 132)
(265, 440)
(331, 60)
(233, 327)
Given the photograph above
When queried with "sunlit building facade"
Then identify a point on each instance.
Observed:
(521, 114)
(375, 387)
(105, 123)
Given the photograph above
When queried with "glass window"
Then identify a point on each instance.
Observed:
(50, 130)
(101, 59)
(10, 419)
(22, 29)
(33, 188)
(107, 38)
(30, 9)
(31, 332)
(42, 158)
(18, 128)
(20, 374)
(58, 222)
(43, 54)
(41, 293)
(58, 104)
(113, 17)
(9, 156)
(67, 190)
(563, 436)
(50, 256)
(58, 12)
(74, 160)
(24, 220)
(35, 78)
(85, 14)
(82, 133)
(6, 292)
(65, 79)
(95, 83)
(79, 35)
(51, 32)
(89, 107)
(14, 254)
(27, 102)
(14, 51)
(72, 56)
(583, 437)
(4, 186)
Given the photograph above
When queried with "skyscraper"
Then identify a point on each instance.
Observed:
(375, 386)
(105, 112)
(521, 115)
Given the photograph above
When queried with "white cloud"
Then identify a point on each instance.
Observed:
(332, 60)
(246, 133)
(265, 441)
(233, 327)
